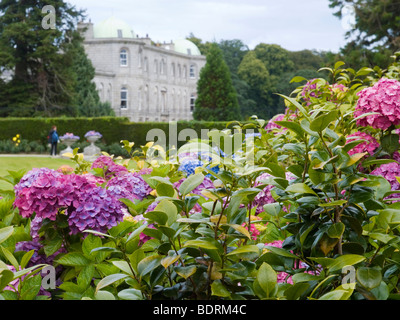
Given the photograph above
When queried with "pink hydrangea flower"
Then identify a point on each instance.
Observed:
(271, 125)
(383, 99)
(368, 146)
(389, 171)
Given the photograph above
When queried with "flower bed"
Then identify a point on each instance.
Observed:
(305, 209)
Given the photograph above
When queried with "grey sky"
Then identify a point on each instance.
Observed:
(293, 24)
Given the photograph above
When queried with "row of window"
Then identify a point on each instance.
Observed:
(159, 66)
(124, 101)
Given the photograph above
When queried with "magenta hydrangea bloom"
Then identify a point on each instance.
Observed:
(271, 125)
(39, 193)
(110, 168)
(389, 171)
(383, 99)
(27, 180)
(367, 146)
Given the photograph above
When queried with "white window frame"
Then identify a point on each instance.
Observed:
(123, 57)
(124, 90)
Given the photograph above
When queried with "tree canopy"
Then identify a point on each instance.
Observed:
(217, 98)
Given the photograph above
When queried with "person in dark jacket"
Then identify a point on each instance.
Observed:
(53, 140)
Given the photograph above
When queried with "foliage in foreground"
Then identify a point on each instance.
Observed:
(306, 208)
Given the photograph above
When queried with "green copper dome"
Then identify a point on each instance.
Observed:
(113, 28)
(187, 47)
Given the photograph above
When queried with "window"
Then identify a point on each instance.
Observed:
(192, 101)
(155, 66)
(164, 100)
(123, 58)
(173, 69)
(140, 99)
(162, 67)
(124, 98)
(192, 71)
(119, 33)
(140, 59)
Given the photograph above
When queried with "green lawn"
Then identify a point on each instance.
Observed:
(27, 163)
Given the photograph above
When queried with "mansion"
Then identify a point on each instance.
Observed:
(142, 80)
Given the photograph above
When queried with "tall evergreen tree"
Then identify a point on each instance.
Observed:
(86, 98)
(217, 99)
(39, 58)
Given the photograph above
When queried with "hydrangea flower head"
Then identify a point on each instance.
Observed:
(382, 99)
(367, 146)
(271, 125)
(98, 210)
(131, 185)
(389, 171)
(111, 168)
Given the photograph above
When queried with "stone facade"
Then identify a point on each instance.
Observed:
(142, 80)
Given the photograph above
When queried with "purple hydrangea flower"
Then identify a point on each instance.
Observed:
(98, 210)
(132, 186)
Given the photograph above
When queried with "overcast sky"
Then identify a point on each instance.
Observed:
(293, 24)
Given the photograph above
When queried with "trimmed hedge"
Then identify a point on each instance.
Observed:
(113, 129)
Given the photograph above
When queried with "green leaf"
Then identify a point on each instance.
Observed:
(297, 105)
(390, 143)
(219, 290)
(148, 264)
(165, 190)
(170, 259)
(281, 252)
(130, 294)
(333, 203)
(108, 280)
(382, 237)
(185, 272)
(333, 295)
(157, 216)
(344, 260)
(74, 259)
(91, 242)
(5, 233)
(295, 291)
(169, 209)
(240, 229)
(137, 232)
(336, 230)
(369, 277)
(123, 266)
(321, 122)
(267, 279)
(6, 276)
(104, 295)
(293, 126)
(191, 183)
(30, 287)
(245, 249)
(10, 257)
(300, 188)
(204, 243)
(53, 246)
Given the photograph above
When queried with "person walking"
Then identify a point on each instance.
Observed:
(53, 140)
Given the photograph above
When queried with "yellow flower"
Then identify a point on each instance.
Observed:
(17, 135)
(15, 139)
(19, 141)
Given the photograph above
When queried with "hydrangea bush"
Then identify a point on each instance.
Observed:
(305, 208)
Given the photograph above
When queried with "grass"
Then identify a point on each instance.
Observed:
(28, 163)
